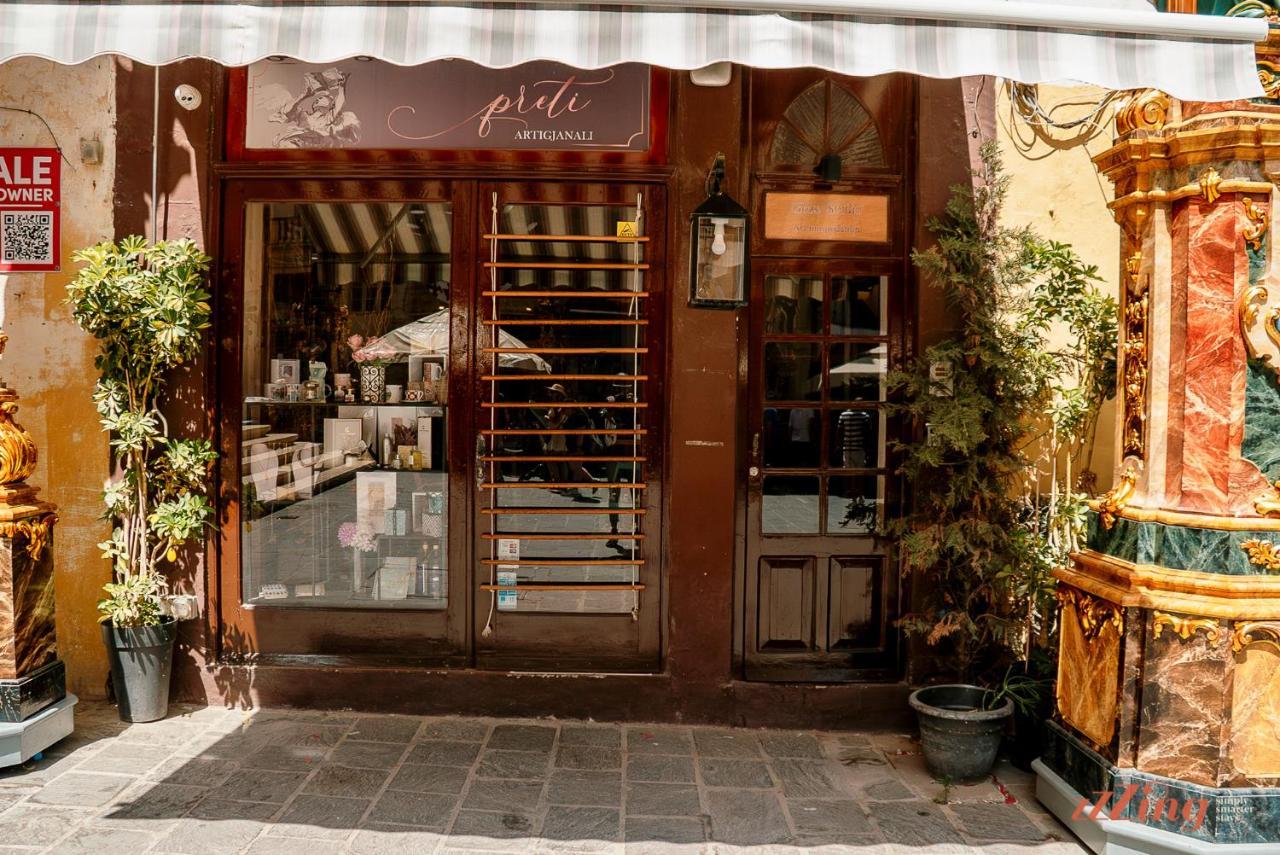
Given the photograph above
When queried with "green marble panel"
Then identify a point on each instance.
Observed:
(1261, 443)
(1177, 547)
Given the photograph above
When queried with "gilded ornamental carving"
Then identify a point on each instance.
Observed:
(18, 453)
(1111, 503)
(1255, 632)
(34, 530)
(1184, 627)
(1146, 110)
(1256, 232)
(1210, 185)
(1093, 613)
(1262, 553)
(1134, 350)
(22, 516)
(1269, 76)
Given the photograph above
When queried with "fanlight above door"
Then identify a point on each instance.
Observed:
(826, 119)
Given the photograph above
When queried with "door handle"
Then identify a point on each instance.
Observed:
(480, 448)
(754, 470)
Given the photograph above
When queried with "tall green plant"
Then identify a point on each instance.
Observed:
(974, 536)
(148, 308)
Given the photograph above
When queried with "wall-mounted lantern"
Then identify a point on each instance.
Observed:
(718, 268)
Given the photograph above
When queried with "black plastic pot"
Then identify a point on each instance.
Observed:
(960, 739)
(141, 658)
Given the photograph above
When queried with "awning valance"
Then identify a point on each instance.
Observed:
(1119, 45)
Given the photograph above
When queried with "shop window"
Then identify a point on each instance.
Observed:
(343, 459)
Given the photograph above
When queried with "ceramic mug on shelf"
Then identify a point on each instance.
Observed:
(394, 393)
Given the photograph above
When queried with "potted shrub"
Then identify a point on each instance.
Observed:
(148, 308)
(995, 403)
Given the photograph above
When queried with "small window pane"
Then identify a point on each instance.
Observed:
(793, 304)
(857, 372)
(855, 439)
(857, 305)
(853, 503)
(792, 438)
(790, 504)
(793, 371)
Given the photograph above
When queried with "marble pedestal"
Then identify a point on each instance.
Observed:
(20, 741)
(1120, 810)
(32, 678)
(1169, 660)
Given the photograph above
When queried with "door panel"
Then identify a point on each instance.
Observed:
(786, 604)
(567, 575)
(855, 606)
(819, 597)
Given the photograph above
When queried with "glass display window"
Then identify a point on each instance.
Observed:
(345, 339)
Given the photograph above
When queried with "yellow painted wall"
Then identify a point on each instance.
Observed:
(1055, 188)
(49, 360)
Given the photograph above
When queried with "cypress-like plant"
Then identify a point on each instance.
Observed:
(990, 405)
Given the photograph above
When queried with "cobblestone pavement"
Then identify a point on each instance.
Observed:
(279, 782)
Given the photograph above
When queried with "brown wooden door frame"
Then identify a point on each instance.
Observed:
(816, 561)
(335, 635)
(571, 642)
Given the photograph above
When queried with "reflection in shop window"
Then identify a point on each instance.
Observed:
(858, 305)
(343, 439)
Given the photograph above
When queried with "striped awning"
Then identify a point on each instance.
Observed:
(1119, 44)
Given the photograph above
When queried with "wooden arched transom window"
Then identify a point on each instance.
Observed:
(826, 119)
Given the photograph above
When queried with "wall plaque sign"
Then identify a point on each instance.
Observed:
(30, 204)
(452, 104)
(826, 216)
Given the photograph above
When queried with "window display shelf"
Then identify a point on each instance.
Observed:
(416, 404)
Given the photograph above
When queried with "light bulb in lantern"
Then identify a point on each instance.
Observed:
(717, 241)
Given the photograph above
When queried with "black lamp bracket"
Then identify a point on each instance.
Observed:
(716, 176)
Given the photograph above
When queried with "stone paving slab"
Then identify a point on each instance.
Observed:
(208, 781)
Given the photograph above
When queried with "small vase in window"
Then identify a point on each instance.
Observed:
(373, 382)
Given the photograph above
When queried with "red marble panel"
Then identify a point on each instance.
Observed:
(1177, 302)
(1215, 366)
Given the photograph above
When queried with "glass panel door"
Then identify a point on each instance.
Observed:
(817, 593)
(566, 429)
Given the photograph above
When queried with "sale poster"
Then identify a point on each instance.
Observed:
(30, 200)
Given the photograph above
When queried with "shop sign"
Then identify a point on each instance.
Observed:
(30, 196)
(452, 104)
(826, 216)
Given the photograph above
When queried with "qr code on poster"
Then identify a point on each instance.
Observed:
(26, 237)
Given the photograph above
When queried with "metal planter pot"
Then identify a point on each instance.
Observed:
(959, 738)
(141, 659)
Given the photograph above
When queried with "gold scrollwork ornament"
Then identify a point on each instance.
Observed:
(1262, 553)
(1184, 627)
(1109, 505)
(1094, 613)
(1209, 182)
(1146, 110)
(1269, 77)
(1257, 230)
(35, 530)
(18, 453)
(1255, 632)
